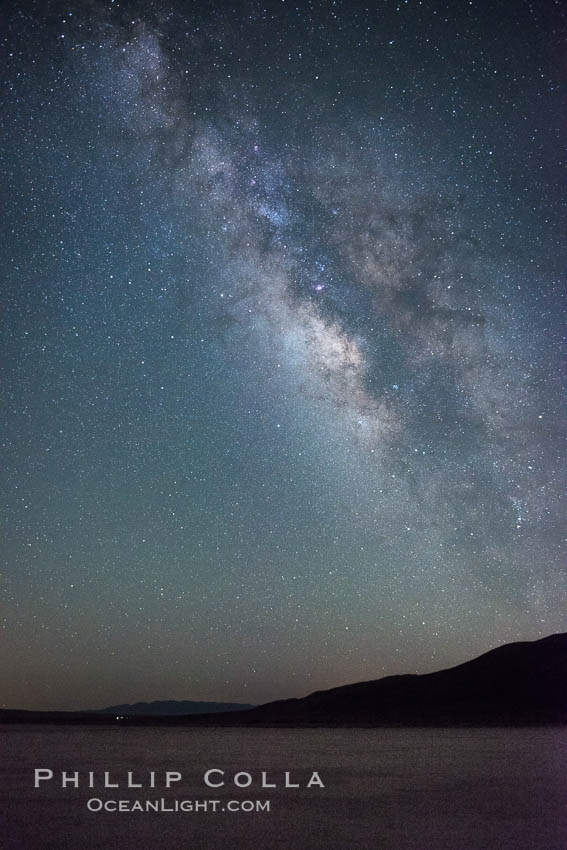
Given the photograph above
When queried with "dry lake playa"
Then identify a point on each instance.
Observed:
(385, 789)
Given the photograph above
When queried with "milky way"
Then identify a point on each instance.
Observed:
(281, 371)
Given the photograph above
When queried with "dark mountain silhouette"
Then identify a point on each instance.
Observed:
(517, 684)
(172, 707)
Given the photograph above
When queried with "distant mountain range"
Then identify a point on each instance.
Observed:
(173, 707)
(517, 684)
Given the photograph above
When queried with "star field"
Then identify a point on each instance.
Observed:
(282, 387)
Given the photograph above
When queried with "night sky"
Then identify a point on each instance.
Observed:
(281, 364)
